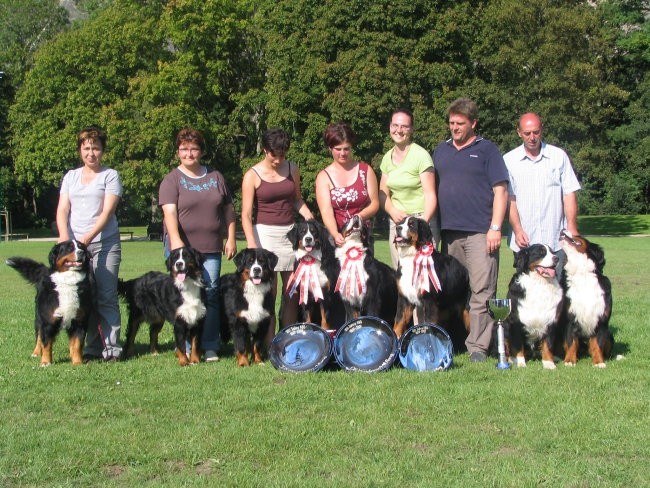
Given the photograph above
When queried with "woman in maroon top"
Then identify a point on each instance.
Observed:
(346, 187)
(270, 196)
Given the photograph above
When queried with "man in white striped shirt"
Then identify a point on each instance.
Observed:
(542, 189)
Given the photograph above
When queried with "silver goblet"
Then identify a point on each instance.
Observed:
(499, 309)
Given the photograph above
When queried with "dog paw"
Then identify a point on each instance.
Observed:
(548, 364)
(569, 364)
(45, 365)
(520, 362)
(600, 365)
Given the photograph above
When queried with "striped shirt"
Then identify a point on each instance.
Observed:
(539, 186)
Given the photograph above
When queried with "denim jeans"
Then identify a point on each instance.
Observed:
(103, 336)
(211, 339)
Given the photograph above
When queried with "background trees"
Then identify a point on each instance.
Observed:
(233, 68)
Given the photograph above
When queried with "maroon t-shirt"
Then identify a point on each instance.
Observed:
(201, 204)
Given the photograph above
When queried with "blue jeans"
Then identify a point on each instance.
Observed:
(211, 339)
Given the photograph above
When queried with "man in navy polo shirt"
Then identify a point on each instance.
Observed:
(472, 199)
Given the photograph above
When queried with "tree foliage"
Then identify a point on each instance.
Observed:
(144, 69)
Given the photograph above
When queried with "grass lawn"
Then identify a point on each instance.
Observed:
(149, 422)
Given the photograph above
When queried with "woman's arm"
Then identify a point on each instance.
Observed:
(247, 198)
(395, 214)
(62, 216)
(373, 193)
(170, 217)
(230, 248)
(428, 182)
(108, 210)
(325, 206)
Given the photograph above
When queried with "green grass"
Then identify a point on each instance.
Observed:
(148, 422)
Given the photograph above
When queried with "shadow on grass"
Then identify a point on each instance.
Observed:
(614, 225)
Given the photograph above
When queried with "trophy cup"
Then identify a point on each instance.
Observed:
(499, 309)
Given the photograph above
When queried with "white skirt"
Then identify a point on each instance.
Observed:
(274, 238)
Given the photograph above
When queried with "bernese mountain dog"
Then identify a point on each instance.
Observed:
(436, 283)
(367, 286)
(64, 297)
(315, 272)
(177, 297)
(536, 301)
(587, 300)
(247, 304)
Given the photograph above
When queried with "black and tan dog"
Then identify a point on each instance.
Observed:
(367, 286)
(587, 302)
(437, 283)
(64, 297)
(177, 297)
(315, 272)
(536, 301)
(247, 304)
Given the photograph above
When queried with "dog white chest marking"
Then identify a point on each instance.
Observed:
(538, 309)
(193, 308)
(584, 291)
(407, 269)
(66, 285)
(254, 295)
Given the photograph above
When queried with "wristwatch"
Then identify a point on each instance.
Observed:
(495, 227)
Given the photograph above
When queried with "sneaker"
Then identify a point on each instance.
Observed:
(211, 356)
(477, 357)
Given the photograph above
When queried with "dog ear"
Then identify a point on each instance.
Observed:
(239, 260)
(273, 259)
(424, 232)
(597, 254)
(521, 259)
(292, 235)
(168, 262)
(198, 256)
(54, 252)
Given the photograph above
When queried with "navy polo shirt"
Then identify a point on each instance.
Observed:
(465, 179)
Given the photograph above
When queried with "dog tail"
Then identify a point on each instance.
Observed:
(32, 271)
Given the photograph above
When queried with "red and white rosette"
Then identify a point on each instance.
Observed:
(351, 281)
(305, 277)
(424, 273)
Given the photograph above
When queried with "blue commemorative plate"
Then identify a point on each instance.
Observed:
(426, 347)
(366, 344)
(300, 348)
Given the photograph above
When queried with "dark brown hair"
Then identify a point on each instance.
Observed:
(337, 133)
(276, 141)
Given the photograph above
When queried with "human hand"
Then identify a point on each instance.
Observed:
(493, 241)
(339, 240)
(522, 239)
(230, 249)
(398, 215)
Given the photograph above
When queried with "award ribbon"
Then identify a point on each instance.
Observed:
(351, 281)
(305, 277)
(423, 270)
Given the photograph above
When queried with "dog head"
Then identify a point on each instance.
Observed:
(306, 236)
(575, 246)
(69, 256)
(538, 258)
(185, 262)
(413, 232)
(354, 230)
(256, 265)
